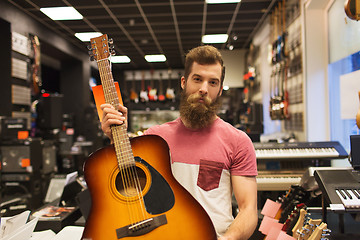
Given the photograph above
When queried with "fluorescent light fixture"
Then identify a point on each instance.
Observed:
(62, 13)
(221, 1)
(120, 59)
(155, 58)
(215, 38)
(86, 36)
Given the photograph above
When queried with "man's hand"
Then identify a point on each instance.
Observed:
(111, 116)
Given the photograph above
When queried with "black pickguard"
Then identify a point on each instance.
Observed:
(160, 197)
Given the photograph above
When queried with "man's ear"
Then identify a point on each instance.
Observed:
(221, 90)
(183, 82)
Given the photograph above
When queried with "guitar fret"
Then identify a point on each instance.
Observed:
(122, 145)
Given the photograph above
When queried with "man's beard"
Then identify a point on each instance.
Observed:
(198, 114)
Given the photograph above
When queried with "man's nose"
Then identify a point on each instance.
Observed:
(204, 88)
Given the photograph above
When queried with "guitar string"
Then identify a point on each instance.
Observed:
(106, 89)
(123, 166)
(126, 182)
(129, 174)
(134, 176)
(108, 98)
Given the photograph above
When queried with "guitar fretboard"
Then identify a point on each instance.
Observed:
(122, 144)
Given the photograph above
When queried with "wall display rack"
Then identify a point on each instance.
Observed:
(287, 80)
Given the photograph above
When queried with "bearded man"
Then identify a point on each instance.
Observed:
(210, 158)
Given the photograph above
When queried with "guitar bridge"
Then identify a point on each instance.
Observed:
(142, 227)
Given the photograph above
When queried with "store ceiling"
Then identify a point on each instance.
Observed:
(170, 27)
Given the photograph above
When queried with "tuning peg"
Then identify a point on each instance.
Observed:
(111, 41)
(112, 52)
(92, 58)
(89, 47)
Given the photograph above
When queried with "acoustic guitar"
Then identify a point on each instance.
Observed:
(152, 91)
(133, 94)
(309, 227)
(299, 224)
(352, 9)
(320, 232)
(170, 94)
(161, 96)
(284, 47)
(143, 93)
(134, 194)
(36, 67)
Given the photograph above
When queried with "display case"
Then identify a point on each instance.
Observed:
(140, 120)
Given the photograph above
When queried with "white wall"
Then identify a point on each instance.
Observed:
(234, 67)
(344, 33)
(316, 60)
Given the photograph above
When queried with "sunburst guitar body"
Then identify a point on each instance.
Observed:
(133, 192)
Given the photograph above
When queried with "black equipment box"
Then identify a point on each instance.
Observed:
(26, 184)
(23, 157)
(55, 217)
(355, 151)
(50, 112)
(10, 127)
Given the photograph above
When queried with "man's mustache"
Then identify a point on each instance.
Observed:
(196, 97)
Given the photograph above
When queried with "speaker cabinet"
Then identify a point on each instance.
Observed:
(27, 185)
(23, 157)
(50, 111)
(355, 151)
(49, 157)
(5, 68)
(10, 127)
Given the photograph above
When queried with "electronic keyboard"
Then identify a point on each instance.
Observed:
(340, 187)
(300, 150)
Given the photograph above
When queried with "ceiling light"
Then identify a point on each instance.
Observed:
(86, 36)
(214, 38)
(132, 22)
(62, 13)
(120, 59)
(155, 58)
(222, 1)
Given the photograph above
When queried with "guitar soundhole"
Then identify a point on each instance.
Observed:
(130, 181)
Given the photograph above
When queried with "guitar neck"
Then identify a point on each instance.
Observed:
(122, 146)
(107, 82)
(121, 141)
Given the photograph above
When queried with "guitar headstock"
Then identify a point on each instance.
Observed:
(310, 225)
(296, 195)
(101, 48)
(299, 224)
(320, 232)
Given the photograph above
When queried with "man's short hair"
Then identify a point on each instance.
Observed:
(204, 55)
